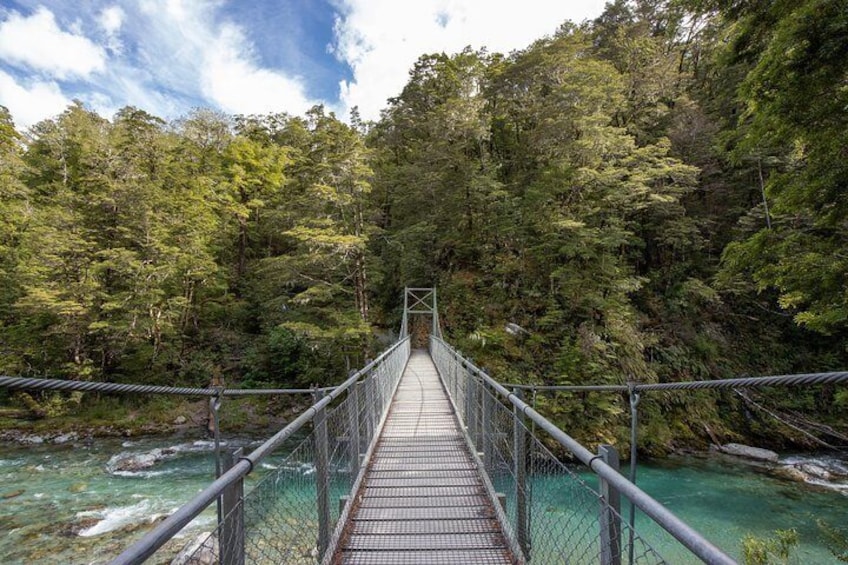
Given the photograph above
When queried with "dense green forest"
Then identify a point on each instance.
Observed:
(660, 194)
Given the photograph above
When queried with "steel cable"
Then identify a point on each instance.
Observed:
(839, 377)
(21, 383)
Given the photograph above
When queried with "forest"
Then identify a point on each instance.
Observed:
(660, 194)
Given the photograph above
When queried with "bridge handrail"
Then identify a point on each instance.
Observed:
(164, 531)
(681, 531)
(28, 383)
(835, 377)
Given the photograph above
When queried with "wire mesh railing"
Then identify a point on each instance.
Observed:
(553, 514)
(298, 507)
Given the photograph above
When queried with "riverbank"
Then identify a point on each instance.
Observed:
(827, 470)
(260, 417)
(116, 417)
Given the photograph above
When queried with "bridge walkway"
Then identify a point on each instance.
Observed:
(422, 500)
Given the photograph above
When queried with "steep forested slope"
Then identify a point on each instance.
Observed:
(656, 195)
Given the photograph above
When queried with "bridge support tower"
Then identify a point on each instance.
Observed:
(420, 301)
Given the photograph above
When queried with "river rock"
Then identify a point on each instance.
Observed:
(65, 438)
(180, 420)
(78, 526)
(131, 462)
(13, 494)
(202, 550)
(791, 472)
(756, 453)
(815, 471)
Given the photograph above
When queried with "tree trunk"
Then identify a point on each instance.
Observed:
(360, 281)
(241, 260)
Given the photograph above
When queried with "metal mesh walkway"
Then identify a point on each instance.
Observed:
(423, 500)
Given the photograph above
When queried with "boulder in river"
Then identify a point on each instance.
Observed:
(65, 438)
(815, 471)
(821, 470)
(201, 550)
(791, 472)
(748, 452)
(131, 462)
(12, 494)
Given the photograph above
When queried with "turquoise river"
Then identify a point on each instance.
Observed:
(71, 503)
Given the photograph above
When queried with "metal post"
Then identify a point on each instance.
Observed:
(634, 429)
(379, 394)
(519, 456)
(381, 378)
(610, 511)
(322, 478)
(477, 410)
(369, 406)
(232, 528)
(435, 316)
(214, 406)
(404, 325)
(353, 428)
(471, 408)
(486, 429)
(455, 378)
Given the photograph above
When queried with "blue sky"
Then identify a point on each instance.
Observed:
(244, 56)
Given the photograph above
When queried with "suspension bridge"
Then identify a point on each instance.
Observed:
(423, 458)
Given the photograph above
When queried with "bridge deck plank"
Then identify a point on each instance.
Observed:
(422, 500)
(431, 557)
(393, 527)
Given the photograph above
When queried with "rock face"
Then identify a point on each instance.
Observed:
(749, 452)
(202, 550)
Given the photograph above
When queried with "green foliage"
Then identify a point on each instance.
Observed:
(769, 551)
(657, 195)
(584, 188)
(283, 358)
(49, 404)
(795, 116)
(134, 251)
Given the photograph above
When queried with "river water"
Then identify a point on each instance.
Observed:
(71, 504)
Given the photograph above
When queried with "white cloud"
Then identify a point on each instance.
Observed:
(218, 58)
(37, 42)
(101, 103)
(111, 20)
(236, 84)
(167, 55)
(30, 104)
(382, 39)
